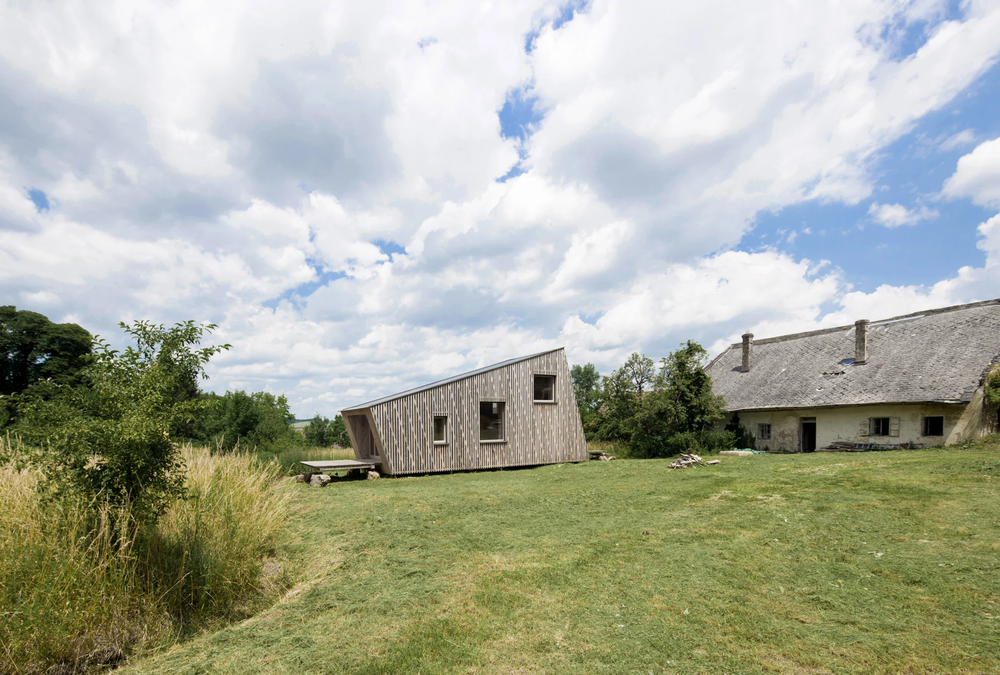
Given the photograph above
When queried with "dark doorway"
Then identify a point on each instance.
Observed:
(808, 434)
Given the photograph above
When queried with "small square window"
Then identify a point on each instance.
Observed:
(878, 426)
(491, 421)
(545, 387)
(440, 429)
(764, 432)
(933, 426)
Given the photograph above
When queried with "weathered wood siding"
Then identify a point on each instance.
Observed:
(535, 433)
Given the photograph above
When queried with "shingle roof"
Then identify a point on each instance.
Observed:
(448, 380)
(938, 355)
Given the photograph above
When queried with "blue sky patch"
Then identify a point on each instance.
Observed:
(566, 14)
(910, 37)
(40, 200)
(302, 291)
(514, 172)
(519, 113)
(910, 173)
(389, 247)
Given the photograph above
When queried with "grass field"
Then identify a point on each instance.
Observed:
(822, 563)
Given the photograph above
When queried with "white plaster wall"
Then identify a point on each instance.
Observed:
(850, 424)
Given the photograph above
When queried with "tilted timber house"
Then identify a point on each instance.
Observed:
(915, 380)
(520, 412)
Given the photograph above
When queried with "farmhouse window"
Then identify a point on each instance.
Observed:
(878, 426)
(933, 426)
(545, 388)
(491, 425)
(883, 426)
(764, 432)
(440, 430)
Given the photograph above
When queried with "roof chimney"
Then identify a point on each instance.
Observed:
(747, 347)
(861, 341)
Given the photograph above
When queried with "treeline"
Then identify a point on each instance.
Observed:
(40, 359)
(658, 409)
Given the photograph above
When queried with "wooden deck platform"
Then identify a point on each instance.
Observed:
(338, 464)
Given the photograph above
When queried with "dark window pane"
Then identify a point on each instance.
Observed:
(764, 431)
(545, 387)
(934, 426)
(880, 426)
(490, 421)
(439, 429)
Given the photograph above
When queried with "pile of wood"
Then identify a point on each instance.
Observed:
(684, 461)
(853, 446)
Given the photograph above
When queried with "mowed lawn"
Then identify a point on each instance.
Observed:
(840, 563)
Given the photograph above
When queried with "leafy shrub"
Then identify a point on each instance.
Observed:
(111, 439)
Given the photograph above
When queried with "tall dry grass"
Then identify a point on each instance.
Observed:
(81, 586)
(206, 550)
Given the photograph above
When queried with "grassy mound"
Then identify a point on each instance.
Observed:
(822, 563)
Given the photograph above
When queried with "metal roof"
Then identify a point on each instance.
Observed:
(448, 380)
(937, 355)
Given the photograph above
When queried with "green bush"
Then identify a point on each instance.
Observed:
(110, 439)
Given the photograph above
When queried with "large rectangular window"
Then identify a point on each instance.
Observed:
(491, 421)
(933, 426)
(545, 388)
(440, 430)
(878, 426)
(764, 432)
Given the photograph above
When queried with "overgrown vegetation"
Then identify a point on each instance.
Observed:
(657, 412)
(868, 563)
(82, 587)
(112, 536)
(110, 439)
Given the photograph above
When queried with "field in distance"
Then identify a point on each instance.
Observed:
(824, 563)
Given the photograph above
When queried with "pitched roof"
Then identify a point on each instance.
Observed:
(933, 356)
(448, 380)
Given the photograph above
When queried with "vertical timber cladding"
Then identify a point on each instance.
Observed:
(535, 433)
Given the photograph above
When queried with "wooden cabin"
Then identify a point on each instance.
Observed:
(520, 412)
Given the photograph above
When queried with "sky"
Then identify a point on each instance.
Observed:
(369, 196)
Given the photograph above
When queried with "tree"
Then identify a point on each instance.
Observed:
(32, 348)
(683, 376)
(681, 412)
(338, 431)
(259, 420)
(587, 388)
(322, 432)
(317, 432)
(111, 439)
(622, 393)
(640, 372)
(35, 353)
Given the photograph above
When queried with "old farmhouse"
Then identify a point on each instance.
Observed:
(520, 412)
(915, 379)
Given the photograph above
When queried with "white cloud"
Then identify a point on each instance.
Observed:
(959, 140)
(896, 215)
(262, 165)
(978, 175)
